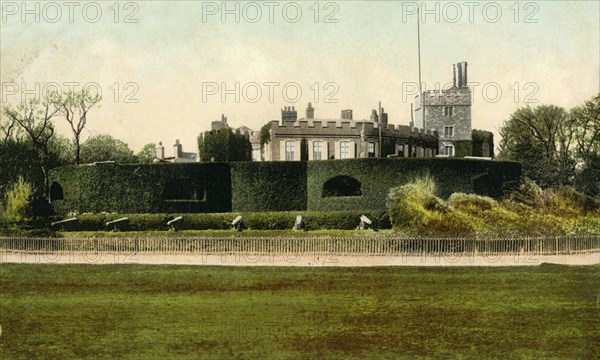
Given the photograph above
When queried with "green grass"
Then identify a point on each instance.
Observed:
(190, 312)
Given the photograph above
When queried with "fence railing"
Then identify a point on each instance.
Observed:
(345, 246)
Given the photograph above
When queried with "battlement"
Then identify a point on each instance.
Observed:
(344, 126)
(452, 97)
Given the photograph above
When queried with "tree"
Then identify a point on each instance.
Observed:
(586, 119)
(542, 139)
(224, 145)
(34, 117)
(105, 148)
(75, 105)
(147, 154)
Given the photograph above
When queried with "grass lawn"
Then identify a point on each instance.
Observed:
(166, 312)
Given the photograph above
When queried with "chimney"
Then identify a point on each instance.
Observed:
(310, 112)
(159, 151)
(384, 118)
(347, 114)
(177, 149)
(374, 116)
(454, 75)
(288, 113)
(462, 74)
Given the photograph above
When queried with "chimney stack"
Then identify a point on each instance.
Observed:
(310, 112)
(347, 114)
(454, 75)
(288, 113)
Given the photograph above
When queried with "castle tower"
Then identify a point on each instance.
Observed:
(449, 113)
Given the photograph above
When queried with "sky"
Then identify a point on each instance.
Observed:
(167, 69)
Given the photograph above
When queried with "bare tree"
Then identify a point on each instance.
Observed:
(34, 117)
(8, 128)
(75, 105)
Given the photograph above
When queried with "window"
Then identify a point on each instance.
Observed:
(371, 149)
(449, 131)
(400, 151)
(318, 150)
(449, 150)
(290, 149)
(448, 111)
(344, 150)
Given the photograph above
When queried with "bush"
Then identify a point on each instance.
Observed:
(314, 220)
(413, 205)
(471, 202)
(18, 201)
(566, 202)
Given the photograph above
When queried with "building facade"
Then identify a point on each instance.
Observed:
(447, 112)
(309, 138)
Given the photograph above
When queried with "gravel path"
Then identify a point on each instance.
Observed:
(298, 260)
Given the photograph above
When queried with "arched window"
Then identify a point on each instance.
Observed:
(342, 186)
(56, 192)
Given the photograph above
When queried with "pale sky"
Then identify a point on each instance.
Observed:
(178, 54)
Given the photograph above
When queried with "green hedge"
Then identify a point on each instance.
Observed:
(463, 148)
(263, 186)
(144, 188)
(268, 186)
(377, 176)
(340, 220)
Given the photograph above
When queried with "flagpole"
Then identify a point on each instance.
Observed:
(419, 55)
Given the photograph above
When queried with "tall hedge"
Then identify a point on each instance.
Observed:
(268, 186)
(144, 188)
(377, 176)
(264, 186)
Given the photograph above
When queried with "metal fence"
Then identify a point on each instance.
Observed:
(339, 245)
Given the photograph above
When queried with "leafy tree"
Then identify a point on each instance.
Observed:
(224, 145)
(61, 151)
(265, 136)
(106, 148)
(75, 105)
(586, 119)
(542, 139)
(147, 154)
(34, 117)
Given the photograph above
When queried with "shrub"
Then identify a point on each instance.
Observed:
(565, 201)
(314, 220)
(472, 203)
(526, 192)
(452, 224)
(18, 201)
(413, 205)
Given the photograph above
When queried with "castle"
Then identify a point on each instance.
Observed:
(442, 127)
(310, 138)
